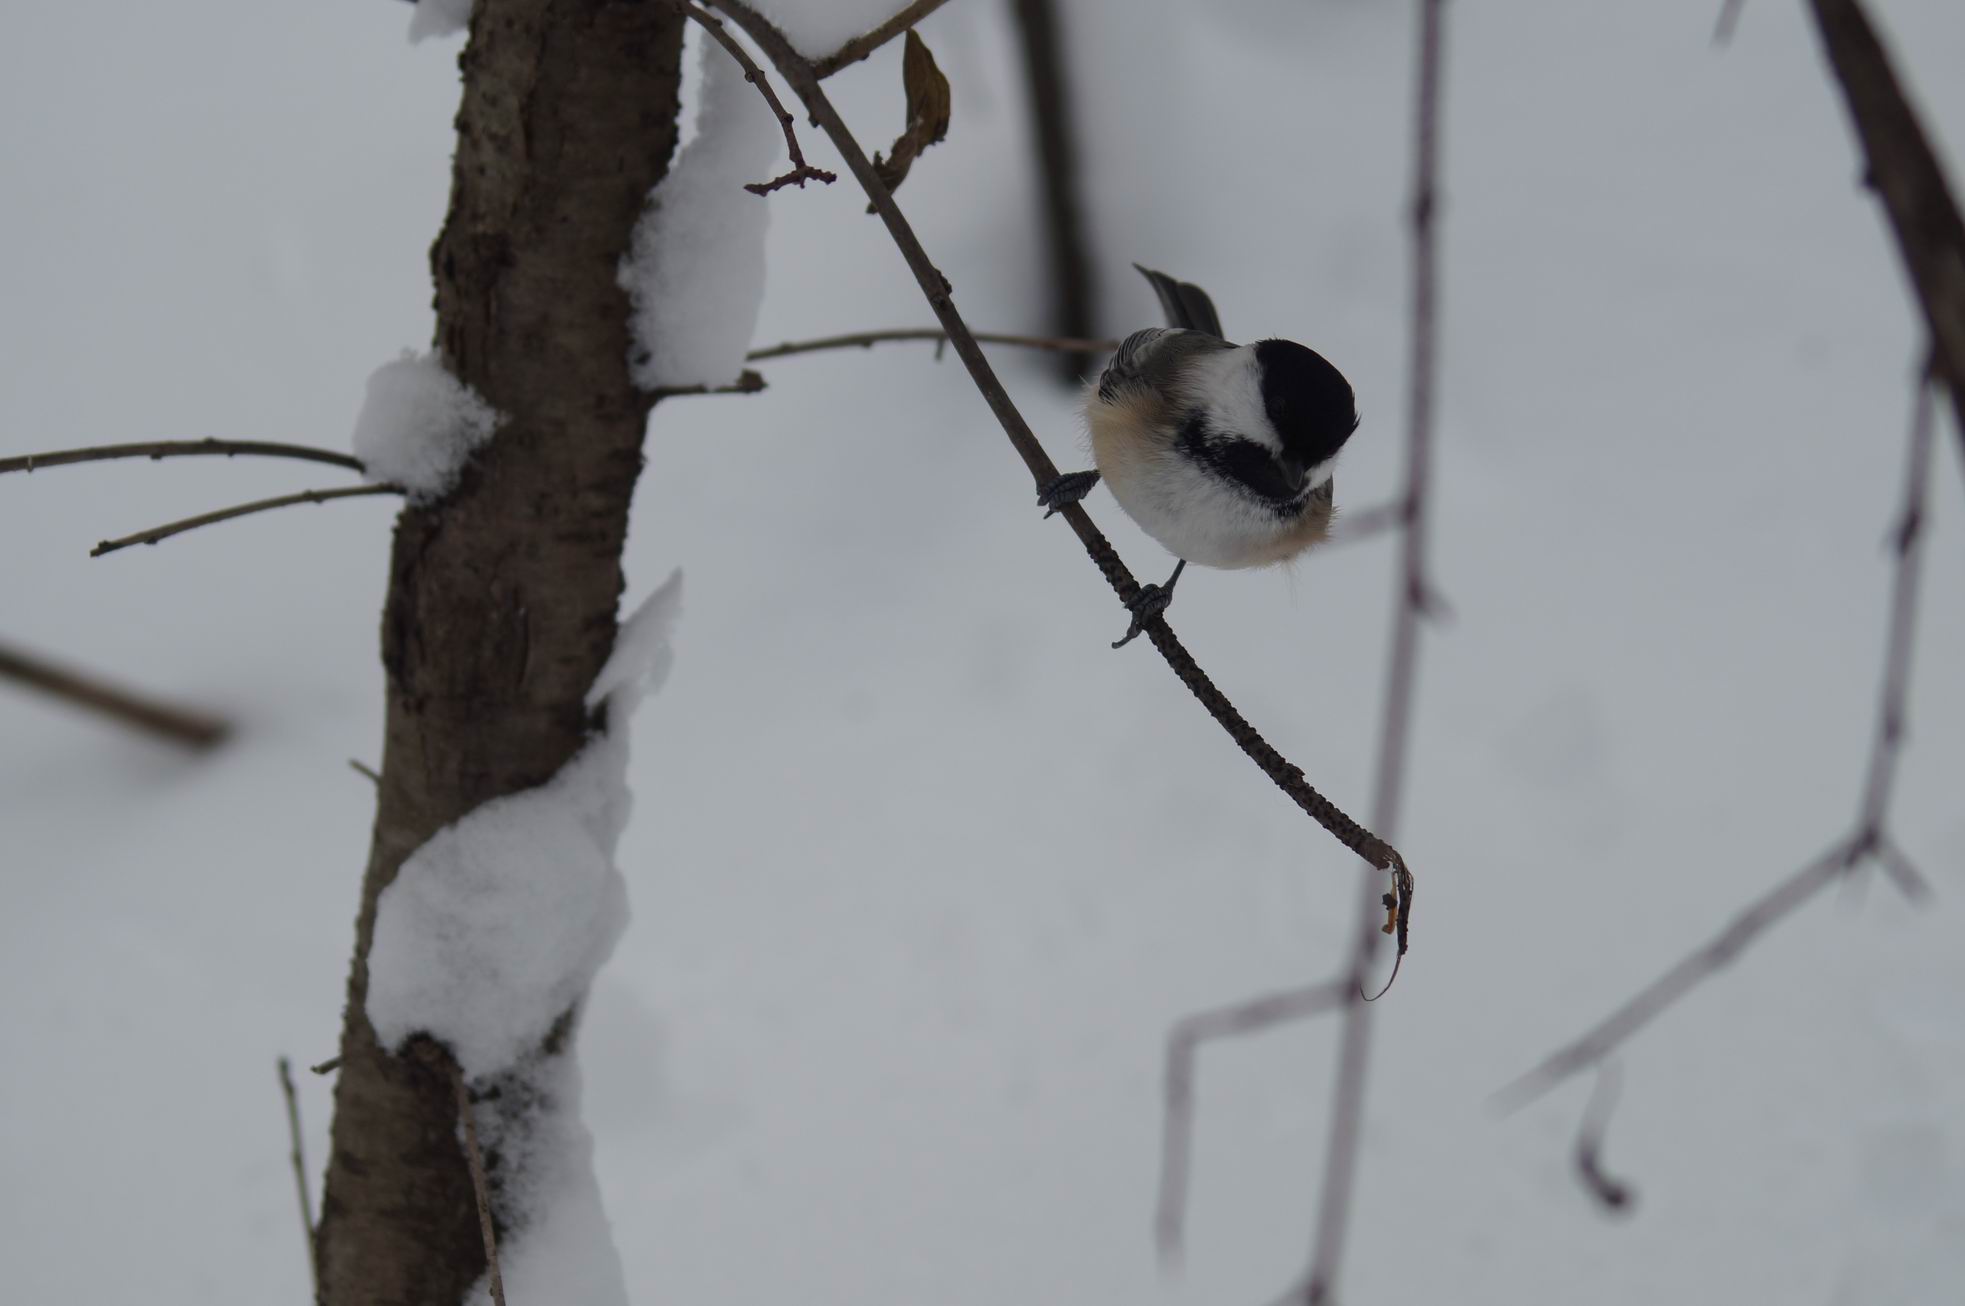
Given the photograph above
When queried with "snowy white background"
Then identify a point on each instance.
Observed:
(921, 870)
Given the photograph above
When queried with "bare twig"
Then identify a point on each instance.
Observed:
(1905, 172)
(1668, 988)
(327, 1067)
(1354, 1040)
(1613, 1194)
(801, 172)
(1869, 840)
(299, 1170)
(164, 532)
(179, 725)
(868, 339)
(480, 1185)
(804, 81)
(156, 449)
(861, 46)
(364, 769)
(1177, 1121)
(747, 383)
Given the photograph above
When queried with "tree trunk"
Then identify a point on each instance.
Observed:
(501, 604)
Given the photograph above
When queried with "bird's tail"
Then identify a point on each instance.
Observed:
(1186, 304)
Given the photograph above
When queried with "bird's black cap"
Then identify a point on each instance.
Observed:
(1308, 401)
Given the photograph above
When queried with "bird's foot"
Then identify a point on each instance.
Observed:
(1065, 491)
(1150, 602)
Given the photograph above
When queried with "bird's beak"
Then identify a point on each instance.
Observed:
(1296, 473)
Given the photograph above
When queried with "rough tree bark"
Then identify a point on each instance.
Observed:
(501, 603)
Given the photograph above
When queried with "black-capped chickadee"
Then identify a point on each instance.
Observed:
(1221, 452)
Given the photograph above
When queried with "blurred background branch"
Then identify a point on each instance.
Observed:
(179, 725)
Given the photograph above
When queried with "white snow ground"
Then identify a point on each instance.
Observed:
(920, 869)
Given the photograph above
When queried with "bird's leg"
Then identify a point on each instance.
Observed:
(1149, 603)
(1066, 490)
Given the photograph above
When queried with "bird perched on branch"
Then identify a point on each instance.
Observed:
(1221, 452)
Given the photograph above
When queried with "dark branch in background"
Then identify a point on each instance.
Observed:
(1729, 18)
(1177, 1122)
(1613, 1195)
(169, 529)
(1904, 171)
(177, 724)
(861, 46)
(1054, 127)
(801, 172)
(804, 81)
(176, 449)
(868, 339)
(1870, 838)
(1354, 1041)
(299, 1171)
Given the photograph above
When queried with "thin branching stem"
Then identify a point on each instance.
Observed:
(1869, 840)
(1250, 1016)
(299, 1160)
(868, 339)
(156, 449)
(1610, 1192)
(1904, 170)
(1354, 1041)
(801, 172)
(800, 75)
(164, 532)
(861, 46)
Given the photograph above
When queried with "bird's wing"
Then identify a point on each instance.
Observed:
(1152, 359)
(1186, 304)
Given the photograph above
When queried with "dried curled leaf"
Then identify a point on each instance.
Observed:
(927, 112)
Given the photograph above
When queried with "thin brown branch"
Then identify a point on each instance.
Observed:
(480, 1185)
(1614, 1195)
(1907, 543)
(1869, 841)
(177, 724)
(164, 532)
(868, 339)
(861, 46)
(1700, 965)
(1177, 1119)
(156, 449)
(804, 81)
(362, 768)
(327, 1067)
(801, 172)
(299, 1171)
(747, 383)
(1904, 170)
(1395, 731)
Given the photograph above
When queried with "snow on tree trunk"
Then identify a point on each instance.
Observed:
(502, 595)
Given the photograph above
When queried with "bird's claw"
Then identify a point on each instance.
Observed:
(1065, 491)
(1150, 602)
